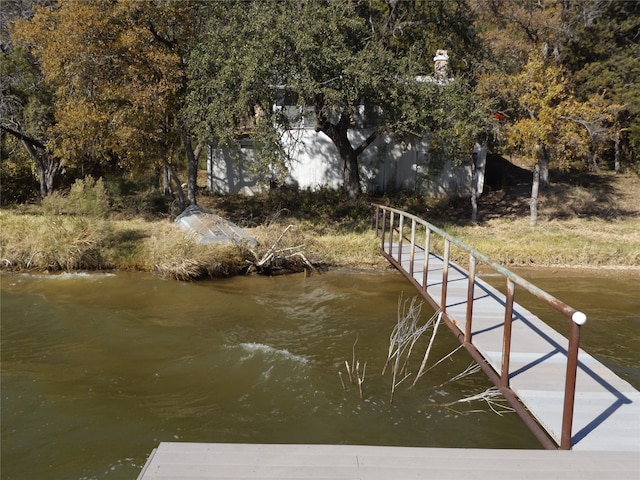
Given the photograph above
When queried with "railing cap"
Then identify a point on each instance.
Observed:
(579, 318)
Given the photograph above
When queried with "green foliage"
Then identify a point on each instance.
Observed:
(18, 183)
(330, 58)
(87, 198)
(462, 118)
(105, 83)
(26, 104)
(605, 55)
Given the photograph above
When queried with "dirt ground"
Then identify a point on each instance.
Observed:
(603, 195)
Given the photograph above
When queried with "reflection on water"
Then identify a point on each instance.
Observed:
(98, 369)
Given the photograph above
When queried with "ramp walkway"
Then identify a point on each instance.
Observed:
(566, 397)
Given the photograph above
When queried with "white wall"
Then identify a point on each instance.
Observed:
(385, 166)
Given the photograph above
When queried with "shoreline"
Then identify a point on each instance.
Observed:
(29, 244)
(568, 271)
(295, 229)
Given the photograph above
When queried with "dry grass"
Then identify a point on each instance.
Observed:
(595, 222)
(574, 242)
(46, 243)
(588, 220)
(52, 243)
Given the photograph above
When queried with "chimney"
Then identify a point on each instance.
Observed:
(440, 62)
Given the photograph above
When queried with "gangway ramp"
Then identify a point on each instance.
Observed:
(566, 396)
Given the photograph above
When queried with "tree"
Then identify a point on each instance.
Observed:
(604, 54)
(117, 70)
(588, 129)
(533, 42)
(541, 89)
(597, 42)
(463, 126)
(333, 58)
(26, 104)
(513, 28)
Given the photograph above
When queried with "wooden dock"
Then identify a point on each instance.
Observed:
(187, 461)
(606, 411)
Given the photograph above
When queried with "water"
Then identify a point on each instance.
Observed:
(98, 369)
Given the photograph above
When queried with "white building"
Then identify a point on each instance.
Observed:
(385, 165)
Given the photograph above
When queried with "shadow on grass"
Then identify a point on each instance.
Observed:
(569, 195)
(506, 195)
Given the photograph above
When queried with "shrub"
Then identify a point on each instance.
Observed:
(87, 197)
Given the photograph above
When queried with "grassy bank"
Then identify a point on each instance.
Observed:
(580, 226)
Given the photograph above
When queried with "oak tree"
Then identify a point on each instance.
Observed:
(333, 59)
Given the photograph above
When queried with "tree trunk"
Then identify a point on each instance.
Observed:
(52, 169)
(478, 166)
(166, 180)
(171, 175)
(338, 135)
(616, 158)
(534, 195)
(192, 161)
(166, 176)
(351, 176)
(474, 202)
(48, 168)
(544, 166)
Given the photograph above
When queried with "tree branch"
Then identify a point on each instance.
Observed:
(366, 143)
(170, 44)
(23, 137)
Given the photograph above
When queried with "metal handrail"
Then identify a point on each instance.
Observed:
(577, 318)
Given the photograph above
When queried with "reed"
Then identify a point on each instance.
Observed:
(355, 373)
(53, 243)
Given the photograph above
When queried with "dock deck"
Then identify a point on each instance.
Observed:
(186, 461)
(607, 408)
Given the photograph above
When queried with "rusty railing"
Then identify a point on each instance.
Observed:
(390, 225)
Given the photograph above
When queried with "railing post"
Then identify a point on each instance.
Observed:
(506, 341)
(384, 229)
(470, 294)
(376, 221)
(577, 320)
(400, 230)
(425, 266)
(412, 254)
(445, 275)
(391, 219)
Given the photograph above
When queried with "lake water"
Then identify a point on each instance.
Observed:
(97, 369)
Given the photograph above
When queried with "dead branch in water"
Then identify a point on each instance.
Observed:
(360, 378)
(426, 354)
(275, 259)
(402, 340)
(491, 396)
